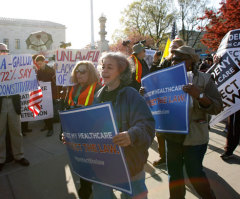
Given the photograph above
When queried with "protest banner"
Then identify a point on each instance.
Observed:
(46, 104)
(66, 60)
(17, 75)
(227, 75)
(166, 99)
(89, 132)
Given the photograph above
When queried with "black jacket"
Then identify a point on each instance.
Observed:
(166, 63)
(16, 99)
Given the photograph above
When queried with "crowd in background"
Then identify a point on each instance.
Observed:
(121, 84)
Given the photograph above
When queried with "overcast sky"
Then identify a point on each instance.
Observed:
(74, 14)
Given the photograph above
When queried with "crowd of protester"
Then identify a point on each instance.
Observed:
(121, 85)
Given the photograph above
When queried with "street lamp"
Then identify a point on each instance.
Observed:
(92, 26)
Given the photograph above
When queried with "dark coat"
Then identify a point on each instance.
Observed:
(16, 99)
(48, 75)
(166, 63)
(134, 116)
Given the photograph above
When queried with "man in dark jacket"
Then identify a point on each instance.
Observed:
(10, 109)
(140, 66)
(233, 135)
(47, 74)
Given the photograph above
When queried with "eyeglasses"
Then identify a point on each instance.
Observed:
(80, 71)
(4, 51)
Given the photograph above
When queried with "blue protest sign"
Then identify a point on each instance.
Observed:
(166, 99)
(94, 157)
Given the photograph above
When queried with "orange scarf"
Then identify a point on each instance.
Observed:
(85, 98)
(138, 68)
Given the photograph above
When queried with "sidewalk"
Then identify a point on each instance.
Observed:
(49, 175)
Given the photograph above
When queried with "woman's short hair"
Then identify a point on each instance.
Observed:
(123, 64)
(92, 73)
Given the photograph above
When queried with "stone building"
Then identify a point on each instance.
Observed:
(193, 38)
(14, 33)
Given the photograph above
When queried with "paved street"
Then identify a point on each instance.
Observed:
(49, 176)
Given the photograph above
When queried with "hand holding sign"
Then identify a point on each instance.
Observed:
(191, 90)
(90, 143)
(122, 139)
(142, 91)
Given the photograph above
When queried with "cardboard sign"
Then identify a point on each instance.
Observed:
(227, 75)
(66, 60)
(17, 75)
(46, 104)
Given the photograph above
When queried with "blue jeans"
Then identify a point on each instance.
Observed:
(139, 189)
(191, 157)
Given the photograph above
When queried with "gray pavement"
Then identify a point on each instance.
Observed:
(49, 176)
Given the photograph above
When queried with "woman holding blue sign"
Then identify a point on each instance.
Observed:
(134, 119)
(85, 78)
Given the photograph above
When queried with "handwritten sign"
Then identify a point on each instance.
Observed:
(226, 74)
(46, 104)
(66, 60)
(17, 75)
(94, 157)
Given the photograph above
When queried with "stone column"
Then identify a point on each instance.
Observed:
(103, 43)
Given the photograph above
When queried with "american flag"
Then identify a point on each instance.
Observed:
(34, 101)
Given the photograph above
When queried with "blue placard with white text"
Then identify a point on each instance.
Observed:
(94, 157)
(166, 99)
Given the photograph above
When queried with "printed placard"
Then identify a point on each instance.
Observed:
(94, 157)
(226, 74)
(167, 100)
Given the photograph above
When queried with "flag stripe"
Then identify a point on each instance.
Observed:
(35, 98)
(35, 92)
(34, 101)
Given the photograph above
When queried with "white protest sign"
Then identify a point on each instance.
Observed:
(46, 104)
(149, 57)
(17, 74)
(227, 75)
(66, 60)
